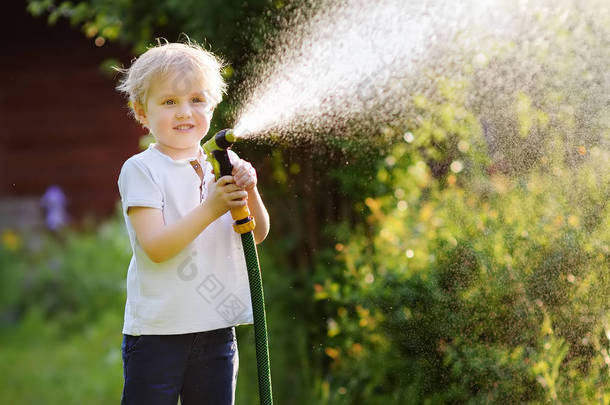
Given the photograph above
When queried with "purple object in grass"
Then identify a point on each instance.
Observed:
(54, 201)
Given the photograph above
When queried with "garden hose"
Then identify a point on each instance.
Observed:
(217, 155)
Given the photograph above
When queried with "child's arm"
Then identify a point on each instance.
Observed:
(245, 177)
(260, 214)
(162, 242)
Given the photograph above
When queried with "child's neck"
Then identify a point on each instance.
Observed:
(179, 154)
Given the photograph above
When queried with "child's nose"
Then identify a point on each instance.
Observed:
(184, 111)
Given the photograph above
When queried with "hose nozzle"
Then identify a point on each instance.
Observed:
(216, 152)
(223, 140)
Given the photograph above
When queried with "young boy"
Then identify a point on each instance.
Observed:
(187, 284)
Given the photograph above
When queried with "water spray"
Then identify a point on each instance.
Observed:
(364, 61)
(216, 150)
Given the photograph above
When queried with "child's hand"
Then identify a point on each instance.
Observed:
(244, 174)
(224, 195)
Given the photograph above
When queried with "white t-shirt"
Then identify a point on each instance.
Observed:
(205, 286)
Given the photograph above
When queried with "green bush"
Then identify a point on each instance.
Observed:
(472, 285)
(72, 277)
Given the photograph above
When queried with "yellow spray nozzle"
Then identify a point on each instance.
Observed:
(216, 151)
(222, 140)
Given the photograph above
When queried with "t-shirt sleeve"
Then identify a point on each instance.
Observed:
(137, 186)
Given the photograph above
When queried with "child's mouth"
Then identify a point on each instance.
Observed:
(184, 127)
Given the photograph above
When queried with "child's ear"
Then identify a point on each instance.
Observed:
(140, 113)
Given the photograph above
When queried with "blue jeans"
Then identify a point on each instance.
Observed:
(200, 368)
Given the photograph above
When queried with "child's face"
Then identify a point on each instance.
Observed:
(178, 112)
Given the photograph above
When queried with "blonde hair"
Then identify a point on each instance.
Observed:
(160, 60)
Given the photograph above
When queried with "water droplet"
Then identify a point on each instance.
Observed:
(456, 166)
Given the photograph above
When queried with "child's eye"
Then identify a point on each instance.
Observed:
(169, 102)
(198, 100)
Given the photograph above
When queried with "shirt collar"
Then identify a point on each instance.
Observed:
(200, 158)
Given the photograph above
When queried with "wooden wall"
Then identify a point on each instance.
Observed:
(61, 121)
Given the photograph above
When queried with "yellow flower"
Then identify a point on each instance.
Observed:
(319, 292)
(333, 328)
(11, 240)
(332, 352)
(573, 221)
(356, 350)
(558, 221)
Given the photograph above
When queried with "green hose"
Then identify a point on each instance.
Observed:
(217, 155)
(260, 323)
